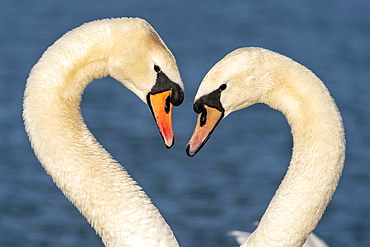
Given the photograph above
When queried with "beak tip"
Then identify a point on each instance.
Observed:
(169, 143)
(189, 152)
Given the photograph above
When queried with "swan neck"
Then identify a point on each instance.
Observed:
(316, 164)
(96, 184)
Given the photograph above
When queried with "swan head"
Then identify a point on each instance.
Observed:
(141, 61)
(235, 82)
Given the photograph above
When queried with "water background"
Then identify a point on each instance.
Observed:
(228, 185)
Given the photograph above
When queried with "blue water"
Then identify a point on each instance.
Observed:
(228, 185)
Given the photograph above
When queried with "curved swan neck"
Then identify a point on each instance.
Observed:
(97, 185)
(316, 164)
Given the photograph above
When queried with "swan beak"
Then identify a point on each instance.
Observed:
(161, 107)
(207, 121)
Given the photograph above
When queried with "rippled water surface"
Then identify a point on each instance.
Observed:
(228, 185)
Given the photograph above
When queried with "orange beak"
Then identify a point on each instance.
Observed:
(161, 107)
(206, 123)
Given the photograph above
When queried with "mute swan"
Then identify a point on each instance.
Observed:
(254, 75)
(129, 50)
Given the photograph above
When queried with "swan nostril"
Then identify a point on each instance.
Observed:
(203, 117)
(167, 106)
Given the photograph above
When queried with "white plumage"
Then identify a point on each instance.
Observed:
(127, 49)
(248, 76)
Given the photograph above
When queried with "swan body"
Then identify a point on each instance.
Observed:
(312, 240)
(255, 75)
(129, 50)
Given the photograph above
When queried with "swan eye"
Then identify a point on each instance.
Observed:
(157, 69)
(222, 87)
